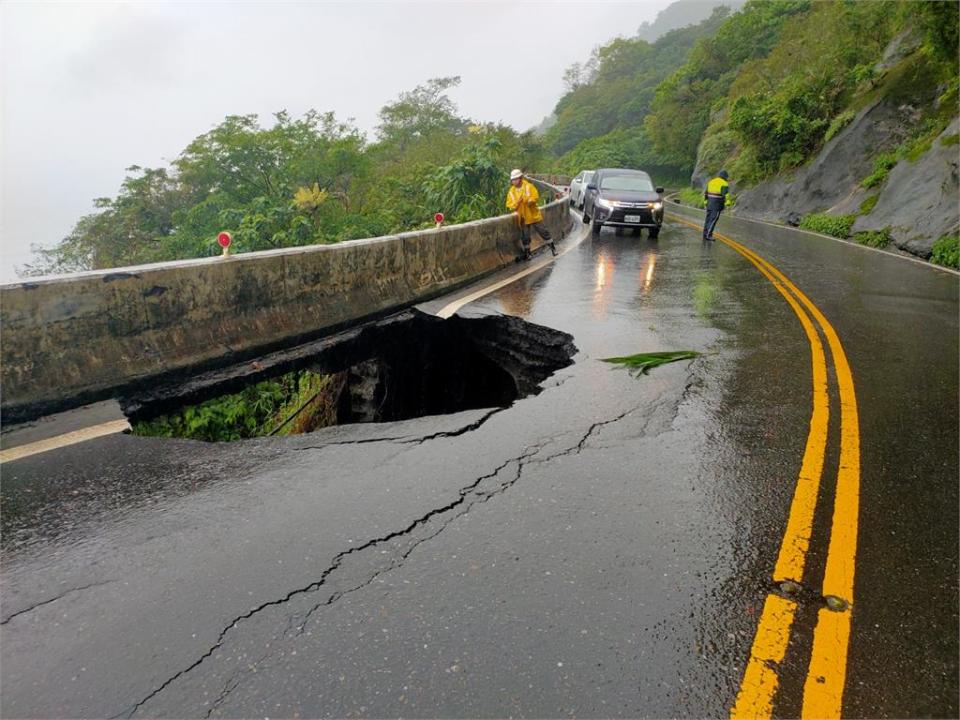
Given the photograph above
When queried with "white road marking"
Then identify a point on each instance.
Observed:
(449, 309)
(59, 441)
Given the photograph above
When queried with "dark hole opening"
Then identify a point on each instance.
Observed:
(406, 366)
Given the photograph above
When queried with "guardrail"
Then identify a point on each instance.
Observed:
(73, 339)
(555, 180)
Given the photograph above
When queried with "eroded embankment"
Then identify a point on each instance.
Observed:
(406, 366)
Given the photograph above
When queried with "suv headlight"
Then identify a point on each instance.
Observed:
(657, 205)
(605, 204)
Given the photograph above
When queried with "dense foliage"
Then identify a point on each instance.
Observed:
(265, 408)
(873, 238)
(789, 98)
(946, 251)
(682, 107)
(600, 119)
(302, 181)
(758, 91)
(835, 225)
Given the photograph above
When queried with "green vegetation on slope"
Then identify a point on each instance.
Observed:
(682, 108)
(600, 120)
(782, 106)
(873, 238)
(946, 251)
(260, 409)
(835, 225)
(303, 181)
(758, 91)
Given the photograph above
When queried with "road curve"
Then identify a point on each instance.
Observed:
(608, 547)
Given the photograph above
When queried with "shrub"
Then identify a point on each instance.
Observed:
(868, 204)
(838, 124)
(946, 251)
(775, 128)
(791, 159)
(252, 412)
(949, 140)
(746, 167)
(692, 196)
(882, 165)
(835, 225)
(716, 148)
(873, 238)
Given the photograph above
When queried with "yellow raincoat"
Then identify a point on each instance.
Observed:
(523, 200)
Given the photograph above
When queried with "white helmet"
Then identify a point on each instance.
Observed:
(514, 174)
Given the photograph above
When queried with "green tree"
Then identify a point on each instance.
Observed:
(420, 113)
(126, 230)
(681, 109)
(473, 185)
(612, 94)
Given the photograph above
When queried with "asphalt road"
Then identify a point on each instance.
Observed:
(602, 549)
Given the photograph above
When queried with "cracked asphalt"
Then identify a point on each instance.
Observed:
(601, 549)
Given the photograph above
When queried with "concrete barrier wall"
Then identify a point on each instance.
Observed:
(73, 339)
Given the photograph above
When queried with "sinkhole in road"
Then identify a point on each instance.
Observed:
(406, 366)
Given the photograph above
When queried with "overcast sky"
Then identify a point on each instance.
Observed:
(91, 88)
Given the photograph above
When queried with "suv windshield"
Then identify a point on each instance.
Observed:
(636, 183)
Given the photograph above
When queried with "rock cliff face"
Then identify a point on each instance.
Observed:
(918, 201)
(831, 181)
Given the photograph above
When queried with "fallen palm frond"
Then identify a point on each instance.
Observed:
(642, 363)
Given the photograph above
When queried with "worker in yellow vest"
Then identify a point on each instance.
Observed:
(716, 196)
(522, 198)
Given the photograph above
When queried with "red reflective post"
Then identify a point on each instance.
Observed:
(224, 239)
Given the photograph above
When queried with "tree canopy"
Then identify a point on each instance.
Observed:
(299, 181)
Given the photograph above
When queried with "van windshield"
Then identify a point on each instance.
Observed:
(635, 183)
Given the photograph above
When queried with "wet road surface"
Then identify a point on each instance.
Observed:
(603, 549)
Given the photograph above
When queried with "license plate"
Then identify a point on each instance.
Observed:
(631, 218)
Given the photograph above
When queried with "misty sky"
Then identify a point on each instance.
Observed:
(91, 88)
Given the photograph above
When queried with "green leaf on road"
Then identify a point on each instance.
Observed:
(642, 363)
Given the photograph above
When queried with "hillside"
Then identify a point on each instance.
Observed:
(599, 121)
(680, 14)
(839, 116)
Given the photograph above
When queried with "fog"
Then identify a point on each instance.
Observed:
(89, 89)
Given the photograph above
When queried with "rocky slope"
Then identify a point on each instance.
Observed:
(917, 203)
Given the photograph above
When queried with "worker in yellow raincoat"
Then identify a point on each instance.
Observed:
(715, 195)
(522, 198)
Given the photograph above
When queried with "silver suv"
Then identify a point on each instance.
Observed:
(578, 187)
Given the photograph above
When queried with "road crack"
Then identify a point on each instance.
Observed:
(53, 599)
(407, 439)
(315, 585)
(467, 497)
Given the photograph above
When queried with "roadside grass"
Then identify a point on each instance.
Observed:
(882, 165)
(643, 363)
(946, 251)
(868, 204)
(692, 196)
(835, 225)
(873, 238)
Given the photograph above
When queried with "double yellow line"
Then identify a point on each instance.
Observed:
(826, 674)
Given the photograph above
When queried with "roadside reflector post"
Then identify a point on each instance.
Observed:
(438, 218)
(224, 240)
